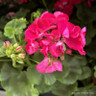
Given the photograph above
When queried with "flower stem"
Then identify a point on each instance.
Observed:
(45, 4)
(15, 39)
(34, 61)
(19, 37)
(27, 60)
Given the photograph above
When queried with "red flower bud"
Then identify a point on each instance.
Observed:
(7, 44)
(19, 48)
(22, 55)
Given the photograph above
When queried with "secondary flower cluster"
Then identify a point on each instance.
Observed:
(15, 52)
(66, 6)
(53, 35)
(23, 1)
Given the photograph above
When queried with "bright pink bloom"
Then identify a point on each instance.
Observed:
(77, 43)
(47, 66)
(56, 49)
(48, 17)
(32, 47)
(53, 35)
(44, 50)
(7, 44)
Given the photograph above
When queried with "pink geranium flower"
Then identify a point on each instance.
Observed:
(66, 6)
(53, 35)
(49, 66)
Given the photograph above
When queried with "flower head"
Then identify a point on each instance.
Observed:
(66, 6)
(53, 37)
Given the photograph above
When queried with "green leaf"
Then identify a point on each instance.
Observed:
(91, 49)
(49, 79)
(14, 27)
(43, 88)
(34, 91)
(2, 51)
(3, 21)
(33, 75)
(64, 90)
(86, 14)
(6, 72)
(38, 57)
(17, 84)
(86, 73)
(74, 69)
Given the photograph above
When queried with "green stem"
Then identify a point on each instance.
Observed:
(15, 39)
(19, 37)
(34, 61)
(45, 4)
(15, 65)
(27, 61)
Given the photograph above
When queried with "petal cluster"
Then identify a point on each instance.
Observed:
(53, 35)
(66, 6)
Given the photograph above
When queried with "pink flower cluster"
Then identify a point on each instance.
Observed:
(22, 1)
(66, 6)
(53, 35)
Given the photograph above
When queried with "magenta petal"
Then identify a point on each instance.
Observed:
(50, 69)
(57, 65)
(56, 49)
(66, 33)
(32, 47)
(41, 67)
(83, 29)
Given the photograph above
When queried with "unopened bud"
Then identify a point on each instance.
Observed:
(19, 49)
(62, 57)
(7, 44)
(21, 55)
(15, 45)
(13, 56)
(68, 51)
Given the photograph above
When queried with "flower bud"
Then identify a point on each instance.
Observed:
(15, 45)
(21, 55)
(7, 44)
(62, 57)
(68, 51)
(19, 49)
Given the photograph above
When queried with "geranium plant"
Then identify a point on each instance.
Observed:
(44, 54)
